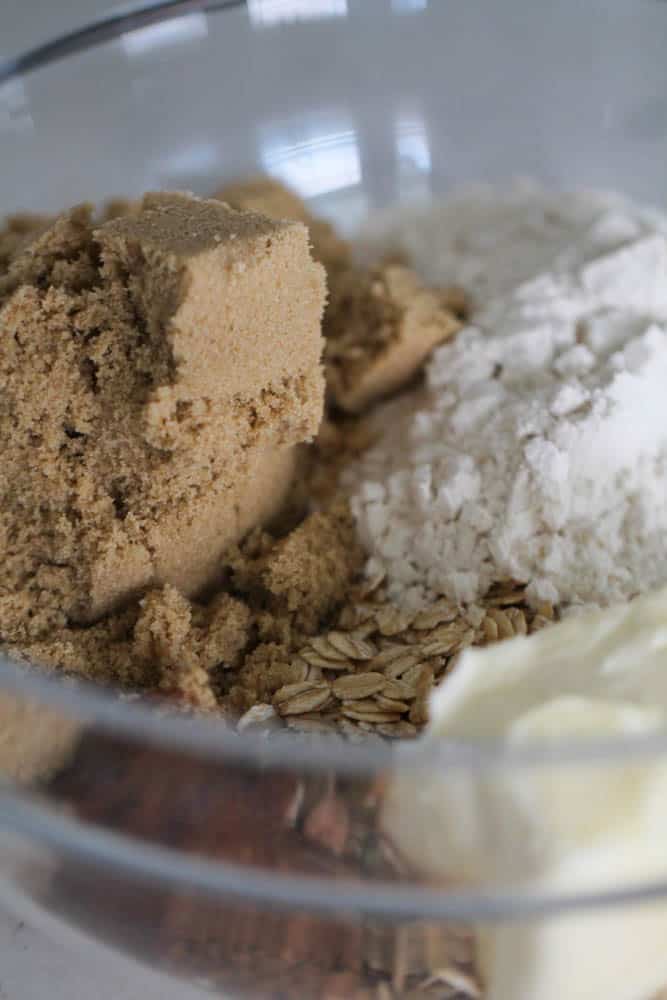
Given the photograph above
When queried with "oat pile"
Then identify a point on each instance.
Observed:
(372, 673)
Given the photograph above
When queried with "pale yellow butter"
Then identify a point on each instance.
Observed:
(553, 828)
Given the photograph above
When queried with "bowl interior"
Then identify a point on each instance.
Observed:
(357, 104)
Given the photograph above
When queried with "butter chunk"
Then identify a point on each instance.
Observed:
(157, 372)
(380, 327)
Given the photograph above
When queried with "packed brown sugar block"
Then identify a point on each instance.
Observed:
(206, 527)
(266, 195)
(157, 370)
(380, 326)
(236, 293)
(185, 545)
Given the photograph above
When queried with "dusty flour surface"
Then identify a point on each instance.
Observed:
(538, 450)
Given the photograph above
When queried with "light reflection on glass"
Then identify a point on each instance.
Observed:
(408, 6)
(274, 11)
(412, 144)
(14, 105)
(314, 166)
(200, 158)
(190, 27)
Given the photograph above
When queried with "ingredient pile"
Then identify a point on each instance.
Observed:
(269, 476)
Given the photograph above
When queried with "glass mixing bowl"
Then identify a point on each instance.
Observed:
(179, 840)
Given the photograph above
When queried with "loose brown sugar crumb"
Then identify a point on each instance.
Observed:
(233, 648)
(17, 233)
(103, 653)
(307, 573)
(163, 626)
(20, 230)
(221, 631)
(379, 327)
(186, 641)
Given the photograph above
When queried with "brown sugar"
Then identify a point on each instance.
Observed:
(205, 527)
(304, 575)
(263, 194)
(17, 233)
(186, 641)
(22, 229)
(157, 371)
(104, 653)
(380, 326)
(218, 312)
(139, 458)
(34, 741)
(225, 653)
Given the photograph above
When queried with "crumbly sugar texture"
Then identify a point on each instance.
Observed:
(305, 575)
(185, 641)
(228, 652)
(379, 327)
(17, 233)
(537, 451)
(270, 197)
(34, 742)
(157, 371)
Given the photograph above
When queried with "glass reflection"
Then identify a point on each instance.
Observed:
(413, 155)
(14, 109)
(269, 12)
(412, 144)
(408, 6)
(314, 164)
(190, 27)
(201, 158)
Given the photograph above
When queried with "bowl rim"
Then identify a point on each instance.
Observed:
(90, 705)
(89, 845)
(157, 724)
(106, 29)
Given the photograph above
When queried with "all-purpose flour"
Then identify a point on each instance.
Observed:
(538, 449)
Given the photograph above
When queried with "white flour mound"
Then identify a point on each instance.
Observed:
(538, 450)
